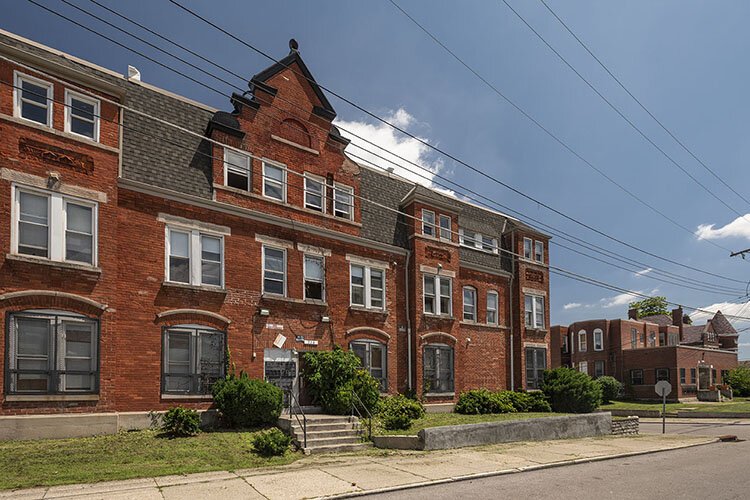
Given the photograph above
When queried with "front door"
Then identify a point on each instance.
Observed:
(704, 377)
(281, 369)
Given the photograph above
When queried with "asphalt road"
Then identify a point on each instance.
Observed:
(716, 471)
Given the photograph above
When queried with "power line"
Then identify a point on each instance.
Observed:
(215, 90)
(620, 113)
(638, 101)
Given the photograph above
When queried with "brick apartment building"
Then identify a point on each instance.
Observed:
(138, 262)
(641, 351)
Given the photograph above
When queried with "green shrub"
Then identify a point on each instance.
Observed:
(333, 375)
(521, 401)
(611, 388)
(397, 412)
(246, 402)
(570, 391)
(271, 443)
(181, 422)
(538, 402)
(739, 380)
(482, 401)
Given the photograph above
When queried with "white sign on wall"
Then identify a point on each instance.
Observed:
(279, 342)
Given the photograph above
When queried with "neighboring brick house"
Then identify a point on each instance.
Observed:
(239, 246)
(640, 352)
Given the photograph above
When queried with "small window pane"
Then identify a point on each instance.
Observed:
(33, 92)
(179, 257)
(273, 182)
(79, 239)
(82, 127)
(33, 337)
(238, 169)
(314, 277)
(33, 228)
(313, 194)
(274, 271)
(342, 201)
(210, 260)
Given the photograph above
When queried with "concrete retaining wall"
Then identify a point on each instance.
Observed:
(636, 413)
(398, 442)
(82, 425)
(627, 426)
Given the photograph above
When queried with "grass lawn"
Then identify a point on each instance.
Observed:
(127, 455)
(737, 405)
(441, 419)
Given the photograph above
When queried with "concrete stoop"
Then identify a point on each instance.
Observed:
(325, 433)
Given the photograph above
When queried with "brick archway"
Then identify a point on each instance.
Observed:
(174, 317)
(48, 299)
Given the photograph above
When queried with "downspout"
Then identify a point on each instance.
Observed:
(408, 319)
(512, 278)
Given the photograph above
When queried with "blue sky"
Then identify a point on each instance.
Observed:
(683, 60)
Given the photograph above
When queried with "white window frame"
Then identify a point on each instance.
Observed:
(367, 292)
(583, 367)
(195, 254)
(322, 259)
(348, 190)
(565, 345)
(320, 180)
(538, 251)
(69, 96)
(582, 341)
(56, 224)
(429, 229)
(268, 163)
(446, 233)
(263, 270)
(528, 248)
(493, 293)
(475, 294)
(437, 282)
(477, 242)
(535, 300)
(598, 335)
(236, 169)
(18, 79)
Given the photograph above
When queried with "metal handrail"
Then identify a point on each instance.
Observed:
(303, 422)
(356, 399)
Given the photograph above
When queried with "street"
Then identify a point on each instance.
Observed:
(712, 471)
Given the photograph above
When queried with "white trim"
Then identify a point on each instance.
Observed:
(69, 96)
(274, 242)
(18, 77)
(364, 261)
(434, 270)
(263, 269)
(536, 243)
(312, 250)
(534, 291)
(350, 191)
(195, 255)
(23, 179)
(359, 329)
(283, 168)
(176, 220)
(323, 192)
(196, 312)
(538, 345)
(477, 242)
(449, 230)
(304, 276)
(367, 286)
(294, 144)
(601, 338)
(428, 224)
(437, 282)
(475, 293)
(235, 168)
(582, 334)
(531, 248)
(497, 306)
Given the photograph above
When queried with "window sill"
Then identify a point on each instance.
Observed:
(482, 325)
(29, 398)
(534, 262)
(382, 312)
(440, 394)
(281, 298)
(439, 316)
(200, 397)
(536, 330)
(53, 263)
(198, 288)
(58, 133)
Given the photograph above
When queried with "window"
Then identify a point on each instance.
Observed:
(662, 338)
(445, 228)
(534, 311)
(367, 286)
(437, 293)
(692, 376)
(724, 376)
(536, 363)
(565, 347)
(652, 339)
(54, 227)
(52, 353)
(583, 367)
(194, 258)
(343, 201)
(82, 115)
(428, 223)
(373, 355)
(314, 272)
(33, 99)
(194, 359)
(477, 241)
(682, 376)
(582, 341)
(539, 251)
(598, 340)
(274, 181)
(492, 308)
(527, 244)
(315, 193)
(489, 244)
(438, 369)
(636, 377)
(274, 270)
(674, 338)
(662, 374)
(470, 303)
(237, 170)
(598, 368)
(633, 338)
(467, 238)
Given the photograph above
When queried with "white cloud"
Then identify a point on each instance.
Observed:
(572, 305)
(738, 228)
(621, 299)
(393, 143)
(643, 271)
(727, 308)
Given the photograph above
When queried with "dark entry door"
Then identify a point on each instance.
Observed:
(280, 368)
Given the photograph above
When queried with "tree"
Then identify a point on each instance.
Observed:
(650, 307)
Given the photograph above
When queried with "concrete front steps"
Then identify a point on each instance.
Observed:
(325, 433)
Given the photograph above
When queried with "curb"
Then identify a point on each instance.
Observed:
(481, 475)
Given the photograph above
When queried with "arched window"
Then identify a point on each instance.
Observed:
(373, 355)
(470, 303)
(438, 369)
(598, 339)
(53, 352)
(582, 341)
(194, 358)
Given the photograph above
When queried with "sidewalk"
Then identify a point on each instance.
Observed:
(374, 470)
